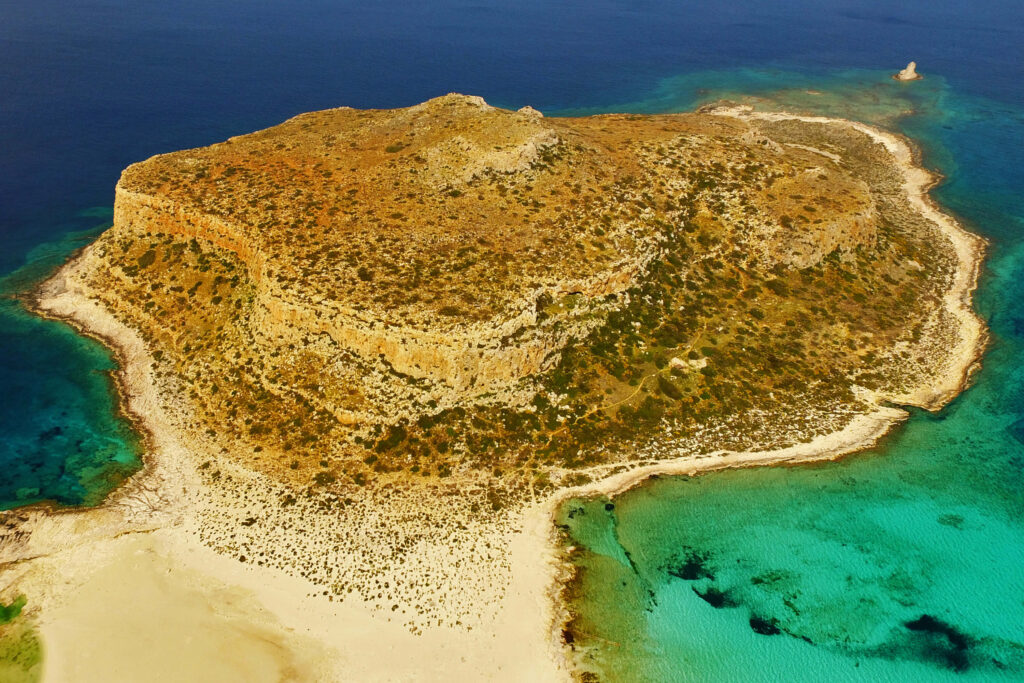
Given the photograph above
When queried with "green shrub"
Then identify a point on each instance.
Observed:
(147, 259)
(396, 435)
(669, 388)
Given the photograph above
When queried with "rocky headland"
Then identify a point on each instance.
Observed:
(372, 349)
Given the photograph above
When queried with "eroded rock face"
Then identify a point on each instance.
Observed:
(476, 354)
(434, 237)
(819, 215)
(458, 288)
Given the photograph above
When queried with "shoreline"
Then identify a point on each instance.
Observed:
(150, 515)
(865, 430)
(132, 371)
(119, 388)
(155, 499)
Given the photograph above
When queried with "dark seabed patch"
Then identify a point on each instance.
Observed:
(945, 643)
(714, 597)
(690, 565)
(765, 627)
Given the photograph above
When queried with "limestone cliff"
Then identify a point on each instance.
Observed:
(456, 287)
(286, 197)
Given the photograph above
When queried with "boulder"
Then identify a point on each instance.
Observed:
(909, 73)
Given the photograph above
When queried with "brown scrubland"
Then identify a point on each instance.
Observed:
(378, 336)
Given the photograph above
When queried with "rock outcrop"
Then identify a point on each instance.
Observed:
(909, 73)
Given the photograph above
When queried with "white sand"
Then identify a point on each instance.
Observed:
(127, 592)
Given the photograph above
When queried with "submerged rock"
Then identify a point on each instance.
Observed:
(766, 627)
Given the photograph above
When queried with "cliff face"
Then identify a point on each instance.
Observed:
(453, 287)
(311, 274)
(476, 355)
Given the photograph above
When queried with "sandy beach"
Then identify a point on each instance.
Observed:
(129, 591)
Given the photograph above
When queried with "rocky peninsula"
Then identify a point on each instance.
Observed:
(372, 349)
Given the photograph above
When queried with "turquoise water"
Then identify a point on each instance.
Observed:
(64, 439)
(902, 563)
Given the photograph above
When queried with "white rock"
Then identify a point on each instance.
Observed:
(687, 364)
(909, 73)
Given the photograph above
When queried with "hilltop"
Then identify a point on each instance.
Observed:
(364, 277)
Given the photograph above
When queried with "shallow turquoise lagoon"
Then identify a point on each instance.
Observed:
(63, 437)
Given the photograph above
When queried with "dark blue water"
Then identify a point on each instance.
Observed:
(88, 87)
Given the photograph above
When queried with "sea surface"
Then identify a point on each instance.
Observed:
(902, 563)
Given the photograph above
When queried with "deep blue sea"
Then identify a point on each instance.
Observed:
(904, 563)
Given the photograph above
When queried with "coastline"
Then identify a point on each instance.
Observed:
(120, 388)
(968, 247)
(156, 500)
(865, 430)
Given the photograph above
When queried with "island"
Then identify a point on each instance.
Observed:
(908, 73)
(370, 351)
